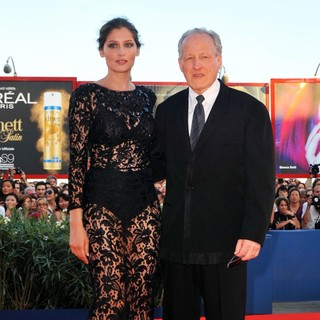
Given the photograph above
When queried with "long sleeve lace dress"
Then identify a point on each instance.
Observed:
(111, 134)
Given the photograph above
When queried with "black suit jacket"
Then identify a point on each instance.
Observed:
(224, 190)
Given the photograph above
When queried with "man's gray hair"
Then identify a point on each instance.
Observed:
(214, 36)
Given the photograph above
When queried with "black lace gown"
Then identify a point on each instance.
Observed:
(111, 134)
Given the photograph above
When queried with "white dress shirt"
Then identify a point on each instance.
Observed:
(210, 96)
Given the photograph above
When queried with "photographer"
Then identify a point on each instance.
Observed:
(311, 209)
(23, 178)
(313, 173)
(284, 219)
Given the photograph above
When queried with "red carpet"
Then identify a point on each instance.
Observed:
(295, 316)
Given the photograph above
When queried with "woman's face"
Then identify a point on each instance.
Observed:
(17, 188)
(11, 202)
(283, 207)
(50, 194)
(120, 50)
(33, 204)
(42, 207)
(63, 204)
(26, 203)
(7, 187)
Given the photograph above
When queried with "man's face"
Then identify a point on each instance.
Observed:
(40, 191)
(316, 190)
(53, 182)
(309, 196)
(30, 191)
(199, 61)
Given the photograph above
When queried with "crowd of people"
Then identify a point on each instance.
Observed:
(297, 204)
(33, 199)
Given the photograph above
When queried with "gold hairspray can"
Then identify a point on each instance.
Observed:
(52, 131)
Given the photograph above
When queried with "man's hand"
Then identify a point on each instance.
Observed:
(247, 249)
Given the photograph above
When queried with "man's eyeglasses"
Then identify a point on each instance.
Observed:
(309, 195)
(234, 261)
(49, 192)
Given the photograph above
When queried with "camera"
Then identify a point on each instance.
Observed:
(18, 170)
(317, 224)
(280, 181)
(316, 202)
(314, 169)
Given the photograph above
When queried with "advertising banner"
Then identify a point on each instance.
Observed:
(164, 90)
(33, 125)
(258, 90)
(295, 105)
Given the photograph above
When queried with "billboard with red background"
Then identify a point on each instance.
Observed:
(295, 106)
(33, 125)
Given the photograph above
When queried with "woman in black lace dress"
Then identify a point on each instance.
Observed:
(114, 212)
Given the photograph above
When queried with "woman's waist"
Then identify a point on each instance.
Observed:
(117, 186)
(121, 172)
(119, 166)
(123, 158)
(116, 178)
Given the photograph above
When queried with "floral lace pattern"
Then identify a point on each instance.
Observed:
(124, 261)
(108, 130)
(111, 134)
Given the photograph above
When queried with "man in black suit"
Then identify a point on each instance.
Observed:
(219, 166)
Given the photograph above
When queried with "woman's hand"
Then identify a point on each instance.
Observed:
(292, 222)
(79, 243)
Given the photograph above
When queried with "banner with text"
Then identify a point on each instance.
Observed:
(33, 125)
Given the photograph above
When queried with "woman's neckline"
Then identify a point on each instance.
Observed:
(119, 91)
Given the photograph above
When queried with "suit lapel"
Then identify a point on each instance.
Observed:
(219, 110)
(182, 120)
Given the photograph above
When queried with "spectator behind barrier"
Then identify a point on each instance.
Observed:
(295, 202)
(7, 187)
(282, 191)
(310, 211)
(62, 201)
(52, 180)
(284, 219)
(40, 189)
(11, 202)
